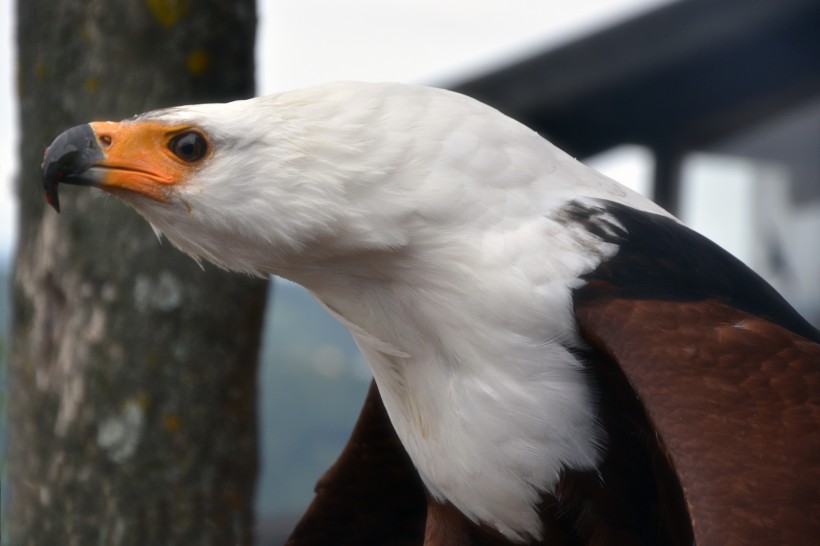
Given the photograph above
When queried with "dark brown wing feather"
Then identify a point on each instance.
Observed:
(727, 371)
(372, 493)
(734, 398)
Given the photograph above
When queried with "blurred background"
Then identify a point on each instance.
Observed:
(710, 107)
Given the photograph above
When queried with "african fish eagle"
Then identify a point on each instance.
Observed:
(557, 360)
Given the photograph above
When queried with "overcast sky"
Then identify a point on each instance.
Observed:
(303, 42)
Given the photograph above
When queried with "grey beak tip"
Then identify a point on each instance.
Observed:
(71, 154)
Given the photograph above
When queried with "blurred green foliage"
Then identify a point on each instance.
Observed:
(312, 384)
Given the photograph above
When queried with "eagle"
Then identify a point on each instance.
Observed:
(556, 359)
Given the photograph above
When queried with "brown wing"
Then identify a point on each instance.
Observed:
(735, 400)
(372, 493)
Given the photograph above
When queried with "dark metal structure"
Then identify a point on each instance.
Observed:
(675, 79)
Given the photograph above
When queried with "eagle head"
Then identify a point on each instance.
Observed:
(271, 183)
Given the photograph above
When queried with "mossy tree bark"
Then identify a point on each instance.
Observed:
(133, 370)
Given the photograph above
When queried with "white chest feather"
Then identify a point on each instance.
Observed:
(493, 437)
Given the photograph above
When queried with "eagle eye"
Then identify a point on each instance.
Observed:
(189, 146)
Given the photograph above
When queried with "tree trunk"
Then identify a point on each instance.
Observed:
(133, 370)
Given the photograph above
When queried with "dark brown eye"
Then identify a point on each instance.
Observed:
(189, 146)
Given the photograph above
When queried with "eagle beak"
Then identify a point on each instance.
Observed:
(69, 160)
(132, 158)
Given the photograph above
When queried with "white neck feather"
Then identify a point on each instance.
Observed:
(476, 370)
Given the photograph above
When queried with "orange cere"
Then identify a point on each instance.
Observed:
(137, 158)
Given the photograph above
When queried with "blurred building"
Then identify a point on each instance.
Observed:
(725, 97)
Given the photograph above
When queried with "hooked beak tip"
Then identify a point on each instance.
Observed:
(67, 159)
(53, 198)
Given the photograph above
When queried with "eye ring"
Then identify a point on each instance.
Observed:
(189, 146)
